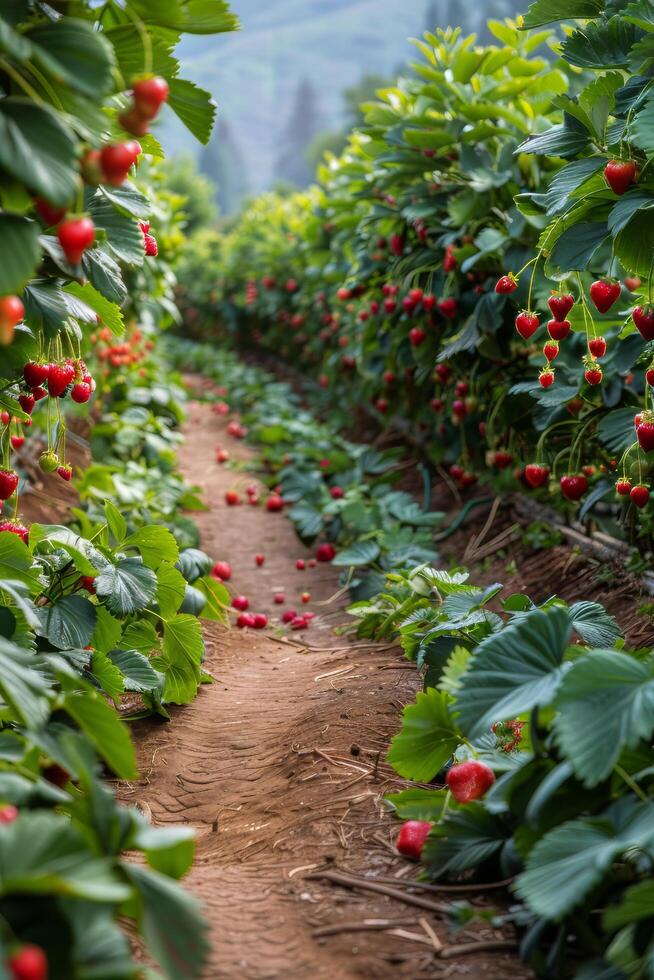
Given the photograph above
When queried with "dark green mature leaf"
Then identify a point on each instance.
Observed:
(565, 140)
(22, 686)
(616, 429)
(137, 670)
(569, 179)
(570, 860)
(360, 553)
(603, 44)
(635, 244)
(73, 54)
(624, 210)
(512, 671)
(171, 923)
(637, 903)
(194, 107)
(44, 853)
(593, 624)
(188, 16)
(427, 739)
(576, 247)
(127, 586)
(193, 564)
(104, 729)
(124, 237)
(550, 11)
(38, 149)
(104, 273)
(16, 562)
(465, 839)
(20, 252)
(605, 704)
(69, 623)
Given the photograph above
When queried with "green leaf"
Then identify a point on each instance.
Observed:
(193, 564)
(593, 624)
(20, 252)
(139, 674)
(635, 243)
(515, 670)
(69, 623)
(567, 863)
(171, 924)
(38, 149)
(108, 311)
(105, 731)
(427, 739)
(189, 16)
(168, 850)
(603, 44)
(637, 903)
(217, 599)
(115, 521)
(128, 199)
(575, 248)
(465, 839)
(74, 54)
(417, 804)
(171, 588)
(104, 274)
(605, 704)
(127, 586)
(155, 543)
(124, 237)
(44, 854)
(194, 107)
(550, 11)
(566, 140)
(624, 209)
(107, 675)
(360, 553)
(22, 686)
(569, 179)
(181, 658)
(15, 560)
(107, 632)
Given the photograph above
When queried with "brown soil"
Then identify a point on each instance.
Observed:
(279, 766)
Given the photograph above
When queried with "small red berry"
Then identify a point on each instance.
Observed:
(536, 474)
(259, 560)
(28, 963)
(222, 570)
(17, 441)
(8, 813)
(81, 392)
(116, 159)
(604, 293)
(597, 346)
(279, 599)
(639, 495)
(526, 324)
(149, 95)
(620, 175)
(305, 597)
(35, 374)
(300, 564)
(27, 403)
(75, 236)
(244, 620)
(645, 434)
(560, 304)
(274, 503)
(594, 375)
(643, 317)
(546, 378)
(411, 838)
(558, 329)
(573, 487)
(326, 552)
(65, 472)
(623, 487)
(470, 780)
(260, 621)
(417, 336)
(506, 284)
(232, 498)
(551, 350)
(241, 603)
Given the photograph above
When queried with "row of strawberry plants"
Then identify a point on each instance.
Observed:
(534, 728)
(106, 607)
(413, 275)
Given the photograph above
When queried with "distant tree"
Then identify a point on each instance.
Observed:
(181, 177)
(304, 124)
(223, 162)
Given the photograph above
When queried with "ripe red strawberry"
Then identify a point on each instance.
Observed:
(150, 245)
(49, 214)
(245, 620)
(645, 434)
(8, 483)
(450, 262)
(260, 621)
(149, 94)
(459, 409)
(551, 350)
(632, 283)
(87, 582)
(274, 503)
(417, 335)
(27, 402)
(411, 838)
(506, 284)
(449, 308)
(5, 417)
(428, 303)
(501, 459)
(643, 317)
(560, 304)
(81, 392)
(65, 472)
(289, 616)
(536, 474)
(573, 487)
(35, 374)
(469, 781)
(620, 175)
(39, 393)
(546, 378)
(28, 963)
(593, 375)
(597, 346)
(623, 487)
(390, 305)
(241, 603)
(336, 493)
(558, 329)
(456, 471)
(639, 495)
(526, 324)
(222, 456)
(75, 236)
(649, 375)
(90, 167)
(382, 405)
(300, 564)
(305, 597)
(437, 404)
(279, 598)
(222, 570)
(8, 813)
(259, 560)
(133, 123)
(15, 527)
(116, 159)
(397, 244)
(17, 441)
(12, 312)
(604, 293)
(325, 552)
(59, 377)
(232, 498)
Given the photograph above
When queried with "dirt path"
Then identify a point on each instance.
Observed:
(279, 767)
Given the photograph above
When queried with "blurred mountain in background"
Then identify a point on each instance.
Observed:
(281, 82)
